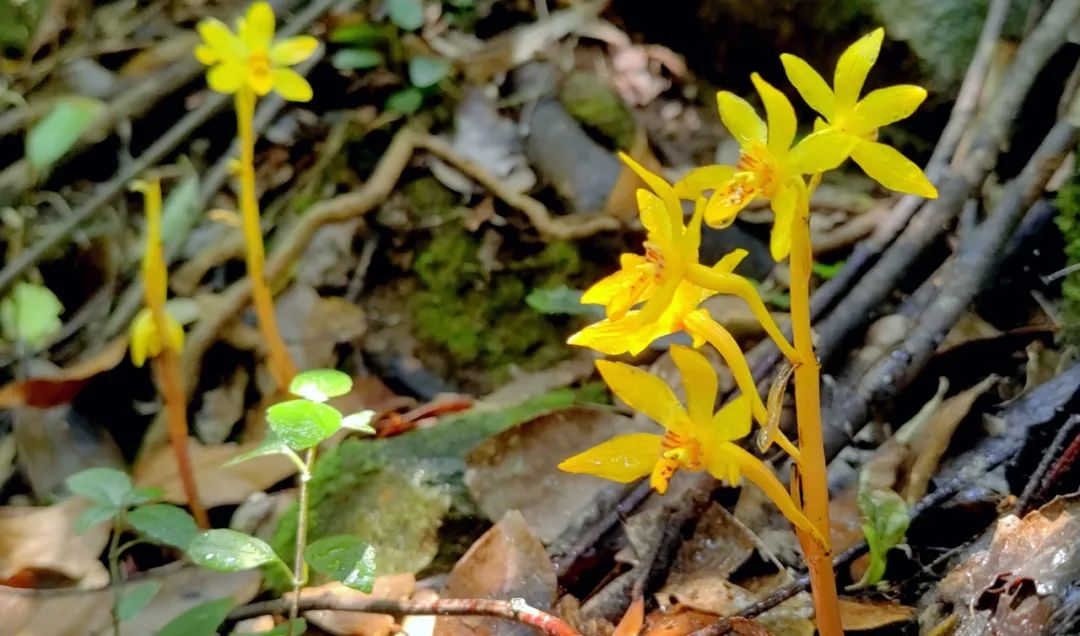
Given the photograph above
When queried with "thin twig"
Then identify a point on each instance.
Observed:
(516, 610)
(1036, 483)
(932, 220)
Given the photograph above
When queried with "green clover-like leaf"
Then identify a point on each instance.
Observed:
(344, 558)
(165, 524)
(229, 551)
(302, 424)
(105, 486)
(319, 385)
(201, 620)
(135, 598)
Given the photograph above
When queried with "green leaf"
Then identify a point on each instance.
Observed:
(143, 494)
(95, 514)
(344, 558)
(406, 101)
(319, 385)
(360, 421)
(165, 524)
(885, 522)
(30, 314)
(229, 551)
(302, 424)
(408, 15)
(427, 71)
(270, 445)
(299, 627)
(57, 132)
(105, 486)
(825, 271)
(180, 212)
(356, 59)
(462, 4)
(135, 598)
(364, 34)
(201, 620)
(561, 300)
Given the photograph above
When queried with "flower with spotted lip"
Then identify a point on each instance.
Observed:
(667, 281)
(251, 59)
(695, 437)
(841, 109)
(769, 165)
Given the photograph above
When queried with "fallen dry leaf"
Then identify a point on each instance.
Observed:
(219, 485)
(863, 615)
(928, 445)
(518, 470)
(506, 562)
(183, 588)
(395, 587)
(62, 385)
(313, 325)
(222, 407)
(1013, 585)
(44, 538)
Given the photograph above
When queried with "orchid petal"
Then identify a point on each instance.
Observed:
(810, 85)
(885, 106)
(853, 67)
(781, 116)
(624, 459)
(740, 119)
(891, 169)
(643, 392)
(699, 382)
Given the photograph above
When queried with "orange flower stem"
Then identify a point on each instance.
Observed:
(702, 324)
(167, 377)
(815, 488)
(281, 364)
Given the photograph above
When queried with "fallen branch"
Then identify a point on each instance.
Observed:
(932, 220)
(866, 253)
(516, 610)
(973, 267)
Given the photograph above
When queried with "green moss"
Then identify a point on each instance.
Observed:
(599, 106)
(480, 319)
(1068, 221)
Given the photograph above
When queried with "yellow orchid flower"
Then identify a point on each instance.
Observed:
(842, 109)
(769, 166)
(695, 437)
(668, 279)
(147, 340)
(251, 59)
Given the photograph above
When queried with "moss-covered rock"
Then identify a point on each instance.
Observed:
(405, 495)
(480, 319)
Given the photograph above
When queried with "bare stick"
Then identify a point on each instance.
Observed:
(516, 610)
(973, 266)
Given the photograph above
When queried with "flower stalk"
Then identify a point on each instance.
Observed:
(280, 363)
(157, 335)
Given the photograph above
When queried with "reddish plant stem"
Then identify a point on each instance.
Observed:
(167, 378)
(515, 610)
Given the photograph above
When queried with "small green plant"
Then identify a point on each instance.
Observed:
(114, 498)
(30, 315)
(372, 44)
(885, 522)
(296, 426)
